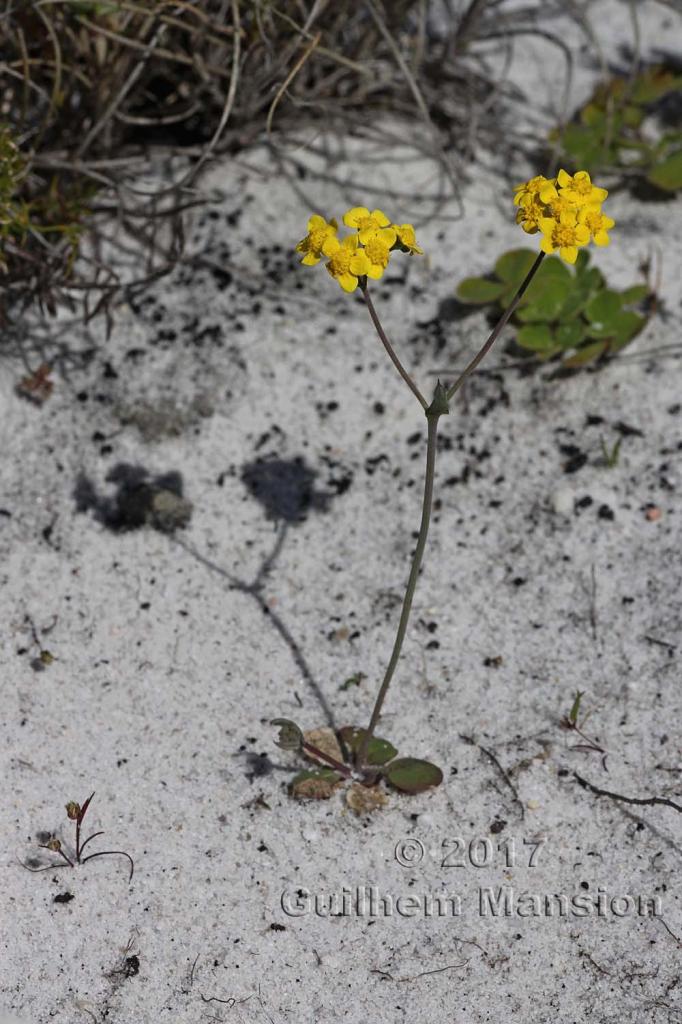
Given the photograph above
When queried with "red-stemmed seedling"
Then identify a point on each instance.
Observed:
(75, 812)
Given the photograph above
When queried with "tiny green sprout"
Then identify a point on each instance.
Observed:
(353, 680)
(575, 707)
(572, 724)
(76, 812)
(611, 457)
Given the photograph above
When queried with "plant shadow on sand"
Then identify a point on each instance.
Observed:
(286, 490)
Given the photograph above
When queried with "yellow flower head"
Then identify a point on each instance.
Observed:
(319, 230)
(578, 189)
(538, 187)
(347, 262)
(566, 209)
(597, 223)
(566, 235)
(407, 239)
(378, 251)
(530, 213)
(364, 222)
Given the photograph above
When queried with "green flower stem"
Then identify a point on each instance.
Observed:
(432, 418)
(389, 348)
(498, 328)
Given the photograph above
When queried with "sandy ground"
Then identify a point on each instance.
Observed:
(257, 390)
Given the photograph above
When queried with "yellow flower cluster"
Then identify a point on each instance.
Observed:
(566, 209)
(365, 253)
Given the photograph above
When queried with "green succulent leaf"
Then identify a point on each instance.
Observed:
(570, 334)
(653, 84)
(290, 736)
(603, 307)
(581, 262)
(315, 784)
(585, 355)
(513, 265)
(547, 299)
(410, 775)
(536, 337)
(478, 290)
(632, 115)
(378, 752)
(636, 293)
(620, 328)
(668, 173)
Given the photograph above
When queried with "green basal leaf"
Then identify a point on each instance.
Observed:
(628, 324)
(636, 293)
(571, 334)
(593, 115)
(546, 302)
(290, 736)
(478, 290)
(410, 775)
(632, 115)
(620, 328)
(585, 355)
(602, 307)
(378, 752)
(315, 784)
(582, 262)
(536, 337)
(668, 173)
(513, 265)
(653, 84)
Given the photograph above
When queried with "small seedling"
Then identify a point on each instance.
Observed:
(567, 211)
(353, 680)
(572, 723)
(611, 457)
(76, 813)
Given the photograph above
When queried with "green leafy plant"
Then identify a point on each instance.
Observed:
(381, 763)
(567, 313)
(606, 134)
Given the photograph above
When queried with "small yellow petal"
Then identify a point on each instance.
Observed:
(563, 179)
(330, 245)
(348, 282)
(354, 215)
(359, 264)
(601, 238)
(568, 253)
(310, 259)
(546, 245)
(547, 225)
(375, 271)
(381, 218)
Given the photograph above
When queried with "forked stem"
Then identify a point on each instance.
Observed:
(438, 408)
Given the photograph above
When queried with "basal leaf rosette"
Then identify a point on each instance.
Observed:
(566, 210)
